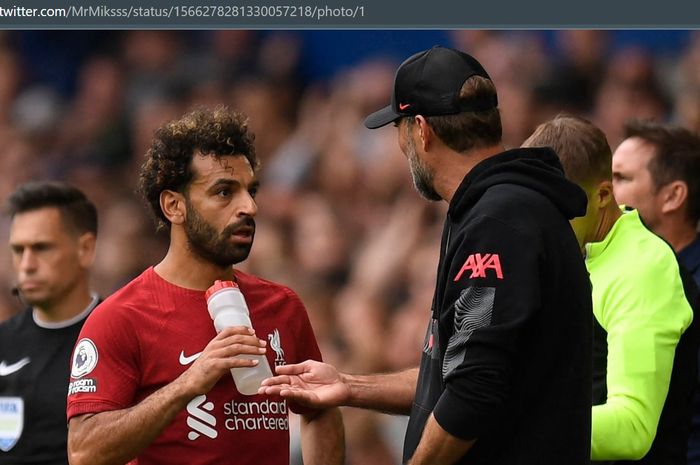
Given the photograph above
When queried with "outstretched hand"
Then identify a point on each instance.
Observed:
(310, 383)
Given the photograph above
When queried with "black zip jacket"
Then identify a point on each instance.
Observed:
(507, 357)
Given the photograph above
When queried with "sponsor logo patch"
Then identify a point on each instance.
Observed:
(237, 416)
(84, 358)
(256, 416)
(478, 264)
(200, 419)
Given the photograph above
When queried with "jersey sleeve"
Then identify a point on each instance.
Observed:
(104, 364)
(306, 345)
(644, 312)
(494, 282)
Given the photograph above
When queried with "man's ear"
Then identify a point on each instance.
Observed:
(604, 194)
(425, 132)
(673, 195)
(87, 243)
(172, 204)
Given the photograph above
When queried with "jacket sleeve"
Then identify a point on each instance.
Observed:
(493, 284)
(644, 322)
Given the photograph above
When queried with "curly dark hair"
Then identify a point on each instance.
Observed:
(218, 132)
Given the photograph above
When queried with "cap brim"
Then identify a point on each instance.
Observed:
(381, 118)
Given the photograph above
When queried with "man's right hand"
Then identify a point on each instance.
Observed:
(219, 356)
(310, 383)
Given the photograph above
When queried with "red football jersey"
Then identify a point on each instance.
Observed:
(150, 331)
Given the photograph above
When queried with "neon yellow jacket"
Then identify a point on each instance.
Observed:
(639, 301)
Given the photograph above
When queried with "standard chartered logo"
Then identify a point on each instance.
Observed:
(200, 420)
(238, 416)
(252, 416)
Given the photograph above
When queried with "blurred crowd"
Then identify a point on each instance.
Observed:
(339, 220)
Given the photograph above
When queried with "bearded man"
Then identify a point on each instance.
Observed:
(158, 388)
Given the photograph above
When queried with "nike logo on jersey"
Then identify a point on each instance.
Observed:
(6, 369)
(184, 360)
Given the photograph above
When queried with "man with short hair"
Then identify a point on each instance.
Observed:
(151, 380)
(656, 170)
(505, 370)
(644, 343)
(52, 241)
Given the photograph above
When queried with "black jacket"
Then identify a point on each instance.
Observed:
(507, 357)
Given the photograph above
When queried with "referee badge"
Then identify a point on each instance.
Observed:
(11, 421)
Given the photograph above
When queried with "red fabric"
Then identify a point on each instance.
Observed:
(140, 333)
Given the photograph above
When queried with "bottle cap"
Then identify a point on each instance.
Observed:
(218, 285)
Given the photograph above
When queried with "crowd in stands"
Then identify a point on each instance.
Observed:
(339, 221)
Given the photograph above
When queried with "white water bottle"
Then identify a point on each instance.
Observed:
(227, 308)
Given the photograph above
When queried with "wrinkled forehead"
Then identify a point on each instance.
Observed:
(210, 167)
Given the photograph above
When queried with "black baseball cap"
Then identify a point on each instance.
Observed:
(428, 83)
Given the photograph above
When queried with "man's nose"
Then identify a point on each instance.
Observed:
(248, 207)
(28, 262)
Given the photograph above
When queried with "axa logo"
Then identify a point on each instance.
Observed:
(200, 420)
(276, 345)
(478, 264)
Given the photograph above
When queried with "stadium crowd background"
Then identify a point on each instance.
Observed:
(339, 221)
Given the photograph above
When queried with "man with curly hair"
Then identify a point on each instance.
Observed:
(153, 384)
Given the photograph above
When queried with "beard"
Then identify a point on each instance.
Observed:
(215, 247)
(423, 176)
